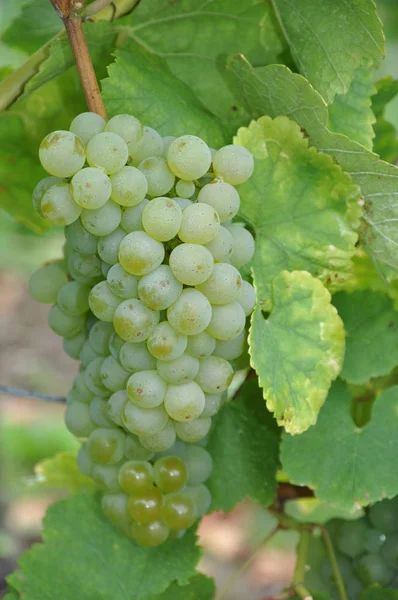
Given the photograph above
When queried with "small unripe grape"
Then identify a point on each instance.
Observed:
(57, 205)
(62, 153)
(158, 175)
(140, 254)
(99, 412)
(146, 389)
(108, 246)
(132, 217)
(191, 313)
(73, 298)
(223, 197)
(372, 569)
(80, 389)
(107, 151)
(102, 221)
(227, 321)
(233, 163)
(103, 301)
(40, 189)
(189, 157)
(215, 375)
(127, 127)
(223, 285)
(178, 511)
(213, 404)
(134, 449)
(150, 144)
(159, 289)
(247, 297)
(145, 506)
(161, 441)
(180, 370)
(243, 245)
(46, 281)
(86, 125)
(63, 324)
(185, 189)
(162, 218)
(170, 473)
(90, 188)
(221, 246)
(165, 343)
(151, 535)
(199, 464)
(144, 421)
(129, 186)
(201, 345)
(200, 224)
(113, 376)
(87, 354)
(80, 239)
(193, 431)
(121, 283)
(106, 476)
(106, 446)
(92, 377)
(115, 406)
(73, 346)
(135, 357)
(88, 267)
(114, 507)
(201, 496)
(384, 516)
(133, 321)
(78, 419)
(231, 349)
(184, 402)
(99, 337)
(135, 477)
(191, 264)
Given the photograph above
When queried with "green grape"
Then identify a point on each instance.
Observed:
(151, 535)
(201, 345)
(161, 441)
(189, 157)
(146, 389)
(185, 189)
(90, 188)
(199, 464)
(135, 451)
(86, 125)
(351, 537)
(73, 346)
(62, 153)
(78, 419)
(99, 337)
(371, 569)
(129, 187)
(57, 205)
(113, 376)
(191, 313)
(221, 246)
(200, 494)
(183, 202)
(145, 505)
(177, 449)
(158, 175)
(108, 246)
(88, 267)
(46, 281)
(374, 540)
(193, 431)
(223, 197)
(200, 224)
(115, 345)
(161, 219)
(213, 404)
(115, 406)
(127, 126)
(136, 477)
(389, 551)
(247, 297)
(106, 446)
(92, 377)
(63, 324)
(114, 507)
(135, 357)
(178, 511)
(133, 321)
(80, 239)
(73, 298)
(159, 289)
(231, 349)
(384, 516)
(170, 473)
(103, 302)
(184, 402)
(144, 421)
(140, 254)
(132, 217)
(227, 321)
(102, 221)
(84, 462)
(243, 245)
(165, 343)
(215, 375)
(150, 144)
(106, 476)
(87, 354)
(107, 151)
(180, 370)
(223, 285)
(105, 268)
(167, 140)
(121, 283)
(191, 264)
(41, 188)
(233, 163)
(80, 390)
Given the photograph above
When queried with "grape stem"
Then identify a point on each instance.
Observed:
(299, 572)
(20, 393)
(68, 10)
(334, 564)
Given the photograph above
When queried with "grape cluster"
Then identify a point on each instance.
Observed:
(149, 298)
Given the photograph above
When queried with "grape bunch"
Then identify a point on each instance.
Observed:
(148, 297)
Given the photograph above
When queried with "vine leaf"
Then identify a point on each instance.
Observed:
(356, 464)
(298, 350)
(199, 587)
(83, 555)
(375, 592)
(60, 471)
(385, 143)
(244, 445)
(330, 40)
(38, 21)
(371, 326)
(312, 510)
(302, 206)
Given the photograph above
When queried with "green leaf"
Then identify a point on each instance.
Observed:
(141, 84)
(386, 90)
(365, 276)
(302, 206)
(371, 326)
(199, 587)
(385, 143)
(331, 39)
(83, 556)
(375, 592)
(244, 447)
(36, 24)
(60, 471)
(356, 465)
(298, 350)
(352, 113)
(275, 90)
(312, 510)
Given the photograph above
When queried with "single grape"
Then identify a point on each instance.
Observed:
(185, 189)
(121, 283)
(106, 446)
(135, 451)
(129, 186)
(144, 421)
(73, 298)
(231, 349)
(115, 345)
(99, 337)
(162, 218)
(200, 224)
(221, 246)
(135, 357)
(84, 462)
(80, 239)
(161, 441)
(106, 476)
(189, 157)
(140, 254)
(247, 297)
(145, 505)
(90, 188)
(62, 153)
(151, 535)
(92, 377)
(178, 511)
(191, 312)
(102, 221)
(158, 175)
(146, 389)
(73, 346)
(180, 370)
(165, 343)
(215, 375)
(87, 354)
(374, 540)
(80, 390)
(133, 321)
(136, 477)
(114, 507)
(193, 431)
(151, 144)
(166, 144)
(63, 324)
(57, 205)
(113, 376)
(201, 345)
(41, 188)
(78, 419)
(223, 285)
(115, 406)
(200, 494)
(213, 404)
(159, 289)
(170, 473)
(191, 264)
(127, 127)
(84, 268)
(389, 551)
(199, 464)
(233, 163)
(384, 516)
(86, 125)
(184, 402)
(103, 302)
(243, 245)
(223, 197)
(227, 321)
(372, 569)
(46, 281)
(107, 151)
(132, 217)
